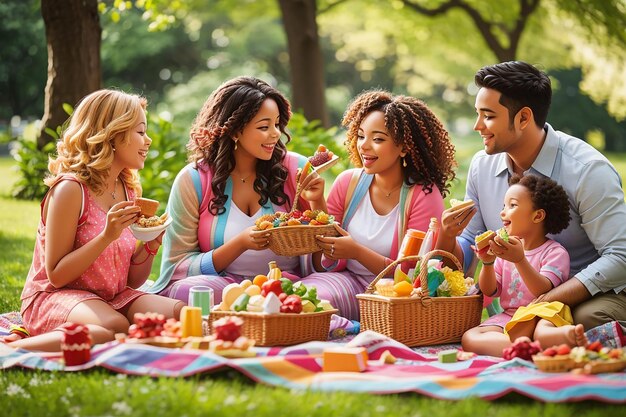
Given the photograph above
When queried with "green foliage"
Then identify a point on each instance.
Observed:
(306, 136)
(165, 159)
(33, 166)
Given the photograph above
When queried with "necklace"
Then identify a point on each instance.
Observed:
(114, 190)
(243, 180)
(390, 192)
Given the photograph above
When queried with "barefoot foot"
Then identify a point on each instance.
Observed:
(576, 336)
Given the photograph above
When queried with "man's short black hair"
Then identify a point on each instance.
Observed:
(521, 85)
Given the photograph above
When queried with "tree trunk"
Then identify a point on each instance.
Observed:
(73, 36)
(305, 58)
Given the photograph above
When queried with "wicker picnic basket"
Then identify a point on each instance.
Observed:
(419, 320)
(298, 240)
(559, 363)
(281, 329)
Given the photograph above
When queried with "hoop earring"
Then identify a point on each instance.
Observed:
(404, 162)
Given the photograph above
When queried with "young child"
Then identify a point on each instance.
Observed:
(526, 266)
(86, 263)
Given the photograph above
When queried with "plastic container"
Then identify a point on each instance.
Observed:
(431, 237)
(411, 243)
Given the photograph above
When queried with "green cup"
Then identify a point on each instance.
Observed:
(201, 296)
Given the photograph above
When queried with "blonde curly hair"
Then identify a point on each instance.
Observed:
(86, 146)
(412, 125)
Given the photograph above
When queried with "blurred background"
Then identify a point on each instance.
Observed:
(319, 53)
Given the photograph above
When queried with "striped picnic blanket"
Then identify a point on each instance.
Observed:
(300, 367)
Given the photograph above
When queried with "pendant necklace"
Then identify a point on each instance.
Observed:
(113, 194)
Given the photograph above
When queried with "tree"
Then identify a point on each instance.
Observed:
(305, 58)
(73, 36)
(607, 14)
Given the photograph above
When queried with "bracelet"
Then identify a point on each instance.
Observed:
(150, 251)
(488, 263)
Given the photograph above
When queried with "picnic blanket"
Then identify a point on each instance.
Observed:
(300, 368)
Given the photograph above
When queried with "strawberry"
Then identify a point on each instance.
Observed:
(563, 350)
(549, 352)
(595, 346)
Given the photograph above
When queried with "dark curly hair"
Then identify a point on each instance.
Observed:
(549, 196)
(225, 113)
(412, 125)
(521, 85)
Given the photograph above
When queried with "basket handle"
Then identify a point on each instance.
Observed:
(423, 262)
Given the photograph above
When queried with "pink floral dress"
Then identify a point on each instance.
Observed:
(44, 307)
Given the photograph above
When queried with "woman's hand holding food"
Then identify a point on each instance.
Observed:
(119, 217)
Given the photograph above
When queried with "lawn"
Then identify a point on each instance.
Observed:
(99, 393)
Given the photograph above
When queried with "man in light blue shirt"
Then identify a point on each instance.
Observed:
(512, 107)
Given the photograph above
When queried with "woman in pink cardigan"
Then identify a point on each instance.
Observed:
(239, 170)
(405, 162)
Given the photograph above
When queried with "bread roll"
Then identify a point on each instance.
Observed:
(148, 207)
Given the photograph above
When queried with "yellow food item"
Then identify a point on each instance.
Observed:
(253, 290)
(482, 240)
(275, 272)
(403, 289)
(259, 280)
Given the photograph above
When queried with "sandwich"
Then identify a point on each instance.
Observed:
(148, 207)
(460, 205)
(482, 240)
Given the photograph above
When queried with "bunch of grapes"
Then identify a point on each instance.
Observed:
(146, 325)
(522, 348)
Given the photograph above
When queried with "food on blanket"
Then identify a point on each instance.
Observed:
(75, 344)
(146, 325)
(345, 359)
(386, 358)
(227, 339)
(321, 156)
(482, 240)
(590, 360)
(522, 348)
(504, 235)
(296, 218)
(148, 206)
(460, 205)
(448, 356)
(403, 289)
(191, 321)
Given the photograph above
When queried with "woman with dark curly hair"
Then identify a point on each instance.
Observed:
(404, 161)
(239, 170)
(522, 264)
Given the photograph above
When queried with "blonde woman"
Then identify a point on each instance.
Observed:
(86, 263)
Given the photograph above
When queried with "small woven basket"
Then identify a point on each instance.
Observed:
(419, 320)
(298, 240)
(562, 363)
(281, 329)
(601, 367)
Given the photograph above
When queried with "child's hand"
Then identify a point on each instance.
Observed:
(512, 251)
(485, 255)
(119, 217)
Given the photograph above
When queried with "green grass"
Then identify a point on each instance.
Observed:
(227, 393)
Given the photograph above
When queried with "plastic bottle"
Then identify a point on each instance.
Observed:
(431, 237)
